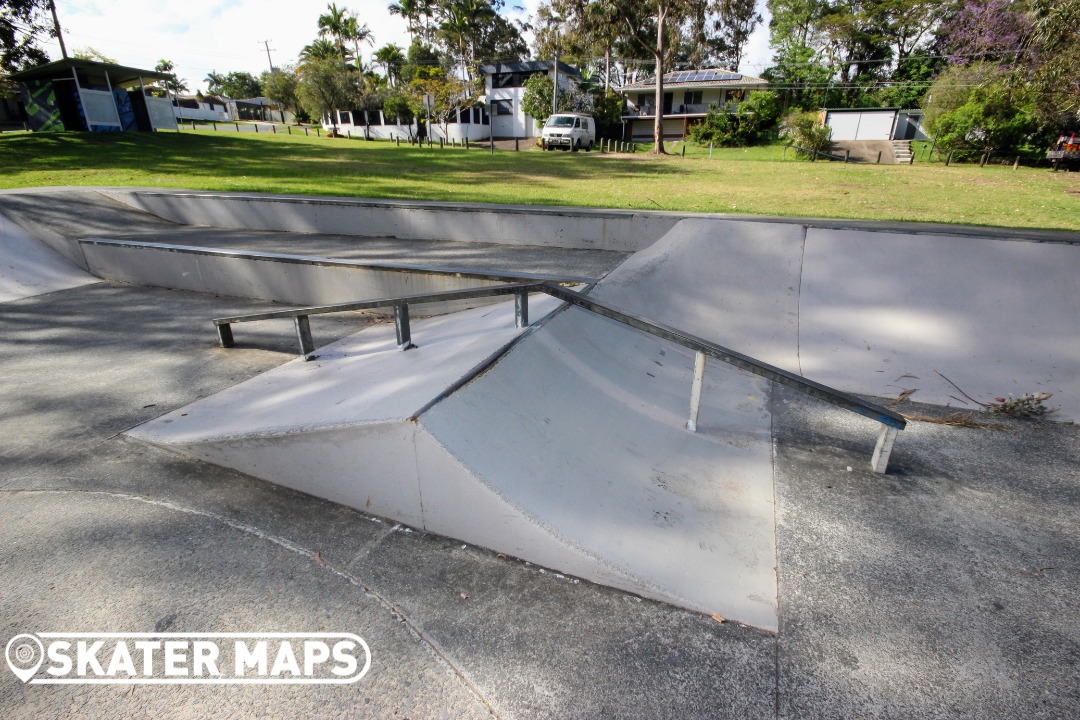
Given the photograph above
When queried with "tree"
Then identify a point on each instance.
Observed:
(356, 33)
(22, 24)
(280, 85)
(971, 109)
(538, 98)
(843, 52)
(391, 58)
(808, 135)
(214, 81)
(448, 94)
(735, 22)
(801, 75)
(174, 85)
(736, 129)
(319, 50)
(461, 27)
(669, 15)
(238, 85)
(325, 85)
(1054, 45)
(332, 25)
(987, 31)
(89, 53)
(420, 56)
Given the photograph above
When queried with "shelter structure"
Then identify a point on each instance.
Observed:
(76, 94)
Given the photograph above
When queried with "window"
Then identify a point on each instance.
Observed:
(504, 107)
(510, 79)
(692, 97)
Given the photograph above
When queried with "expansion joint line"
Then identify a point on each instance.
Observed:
(430, 643)
(798, 301)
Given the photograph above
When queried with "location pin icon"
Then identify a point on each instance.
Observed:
(25, 654)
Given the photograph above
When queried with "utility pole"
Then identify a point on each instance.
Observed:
(56, 24)
(555, 91)
(267, 44)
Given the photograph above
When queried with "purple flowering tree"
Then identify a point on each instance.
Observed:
(987, 31)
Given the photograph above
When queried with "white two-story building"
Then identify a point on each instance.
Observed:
(505, 85)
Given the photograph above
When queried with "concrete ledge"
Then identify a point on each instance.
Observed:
(503, 224)
(282, 278)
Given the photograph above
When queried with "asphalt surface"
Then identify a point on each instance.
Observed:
(947, 588)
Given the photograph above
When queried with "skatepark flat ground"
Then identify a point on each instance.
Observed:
(947, 588)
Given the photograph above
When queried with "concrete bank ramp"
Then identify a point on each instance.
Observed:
(29, 267)
(570, 452)
(871, 312)
(58, 216)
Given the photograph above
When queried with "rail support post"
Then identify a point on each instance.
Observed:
(224, 335)
(303, 334)
(521, 309)
(401, 323)
(695, 391)
(885, 439)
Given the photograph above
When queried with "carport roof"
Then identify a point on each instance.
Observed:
(118, 74)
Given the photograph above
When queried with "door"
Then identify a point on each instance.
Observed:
(502, 118)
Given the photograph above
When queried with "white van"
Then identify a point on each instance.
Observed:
(569, 131)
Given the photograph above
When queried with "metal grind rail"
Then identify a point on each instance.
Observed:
(891, 421)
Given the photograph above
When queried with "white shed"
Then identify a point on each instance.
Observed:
(862, 123)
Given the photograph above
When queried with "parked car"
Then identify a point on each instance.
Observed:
(569, 131)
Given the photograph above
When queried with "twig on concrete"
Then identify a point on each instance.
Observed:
(961, 390)
(963, 420)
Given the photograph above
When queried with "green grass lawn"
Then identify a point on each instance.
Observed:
(752, 180)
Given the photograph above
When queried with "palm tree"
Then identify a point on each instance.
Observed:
(319, 50)
(332, 24)
(351, 29)
(410, 11)
(214, 80)
(391, 57)
(465, 20)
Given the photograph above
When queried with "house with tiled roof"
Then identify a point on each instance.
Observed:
(687, 97)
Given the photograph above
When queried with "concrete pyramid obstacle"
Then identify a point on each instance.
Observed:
(570, 452)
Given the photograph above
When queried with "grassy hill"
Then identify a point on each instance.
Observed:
(755, 181)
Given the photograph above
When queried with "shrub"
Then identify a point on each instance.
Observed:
(739, 128)
(805, 132)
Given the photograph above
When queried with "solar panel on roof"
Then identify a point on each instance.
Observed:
(692, 76)
(689, 76)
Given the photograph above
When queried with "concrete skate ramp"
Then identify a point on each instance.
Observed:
(28, 267)
(584, 425)
(57, 216)
(871, 312)
(570, 452)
